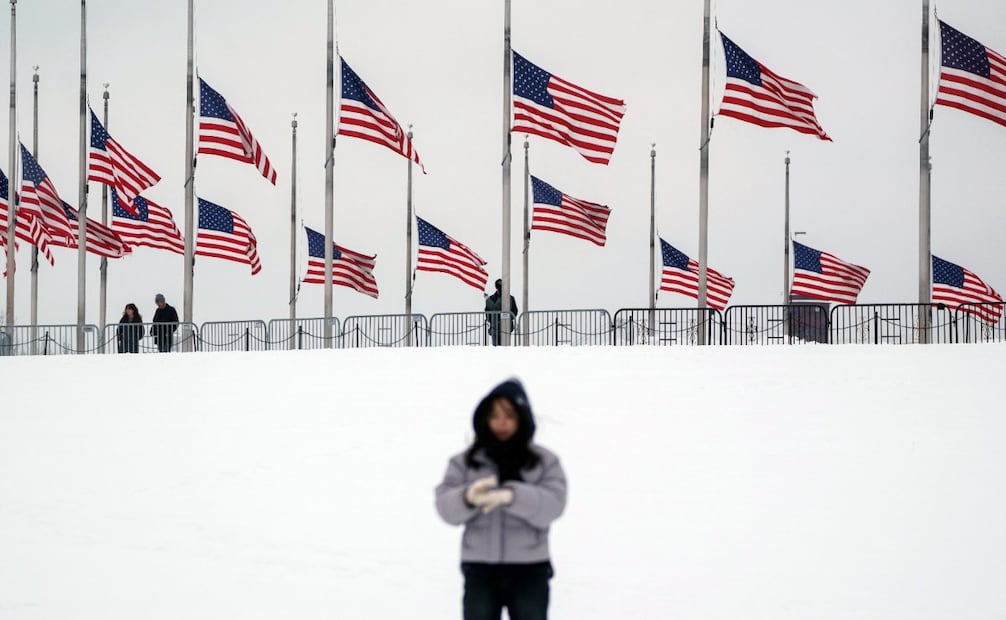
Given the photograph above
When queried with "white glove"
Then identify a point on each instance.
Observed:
(496, 498)
(477, 491)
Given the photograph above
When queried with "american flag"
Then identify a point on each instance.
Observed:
(40, 199)
(98, 239)
(954, 285)
(548, 106)
(113, 165)
(349, 268)
(972, 78)
(681, 275)
(224, 234)
(223, 133)
(820, 275)
(557, 212)
(440, 253)
(755, 94)
(362, 115)
(27, 228)
(152, 226)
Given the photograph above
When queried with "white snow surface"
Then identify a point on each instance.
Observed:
(825, 482)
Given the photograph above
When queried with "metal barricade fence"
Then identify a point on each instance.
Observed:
(892, 324)
(149, 338)
(233, 336)
(797, 323)
(385, 330)
(450, 329)
(980, 322)
(665, 326)
(563, 327)
(302, 334)
(47, 340)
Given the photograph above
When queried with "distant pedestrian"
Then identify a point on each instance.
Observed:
(165, 324)
(130, 330)
(506, 491)
(494, 309)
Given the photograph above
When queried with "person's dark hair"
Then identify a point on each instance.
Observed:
(515, 454)
(136, 312)
(499, 285)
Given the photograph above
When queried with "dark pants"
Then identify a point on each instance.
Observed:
(164, 344)
(521, 588)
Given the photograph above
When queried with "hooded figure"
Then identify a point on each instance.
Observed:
(506, 491)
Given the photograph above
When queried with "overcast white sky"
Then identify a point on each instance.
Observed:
(438, 65)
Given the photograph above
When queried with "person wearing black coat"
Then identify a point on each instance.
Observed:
(494, 308)
(130, 330)
(165, 324)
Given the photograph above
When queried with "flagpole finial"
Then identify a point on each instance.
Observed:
(105, 94)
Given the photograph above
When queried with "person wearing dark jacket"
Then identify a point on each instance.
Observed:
(165, 323)
(494, 306)
(506, 491)
(130, 330)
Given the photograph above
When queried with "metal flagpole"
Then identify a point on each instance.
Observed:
(651, 320)
(329, 170)
(925, 170)
(525, 336)
(103, 270)
(82, 209)
(34, 248)
(408, 251)
(293, 230)
(190, 184)
(786, 242)
(704, 171)
(12, 168)
(507, 93)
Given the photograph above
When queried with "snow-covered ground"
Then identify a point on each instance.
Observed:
(823, 482)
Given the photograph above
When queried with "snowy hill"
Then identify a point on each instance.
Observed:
(710, 483)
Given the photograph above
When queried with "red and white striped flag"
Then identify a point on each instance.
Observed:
(350, 269)
(27, 228)
(224, 234)
(972, 78)
(362, 115)
(98, 239)
(41, 201)
(557, 212)
(223, 133)
(820, 275)
(152, 226)
(681, 275)
(116, 167)
(756, 95)
(957, 287)
(548, 106)
(442, 254)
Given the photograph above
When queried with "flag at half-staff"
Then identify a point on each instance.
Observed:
(224, 234)
(350, 269)
(558, 212)
(442, 254)
(972, 76)
(223, 133)
(26, 228)
(116, 167)
(680, 274)
(820, 275)
(41, 201)
(548, 106)
(958, 287)
(151, 226)
(362, 115)
(756, 95)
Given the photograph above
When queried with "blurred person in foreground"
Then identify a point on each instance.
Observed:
(506, 491)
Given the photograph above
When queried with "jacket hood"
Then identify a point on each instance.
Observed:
(512, 390)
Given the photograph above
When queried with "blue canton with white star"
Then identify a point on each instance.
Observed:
(672, 257)
(316, 245)
(545, 193)
(215, 217)
(211, 103)
(430, 235)
(531, 81)
(739, 64)
(805, 258)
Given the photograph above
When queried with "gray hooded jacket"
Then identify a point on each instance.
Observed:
(514, 534)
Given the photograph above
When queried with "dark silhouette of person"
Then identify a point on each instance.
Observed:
(494, 308)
